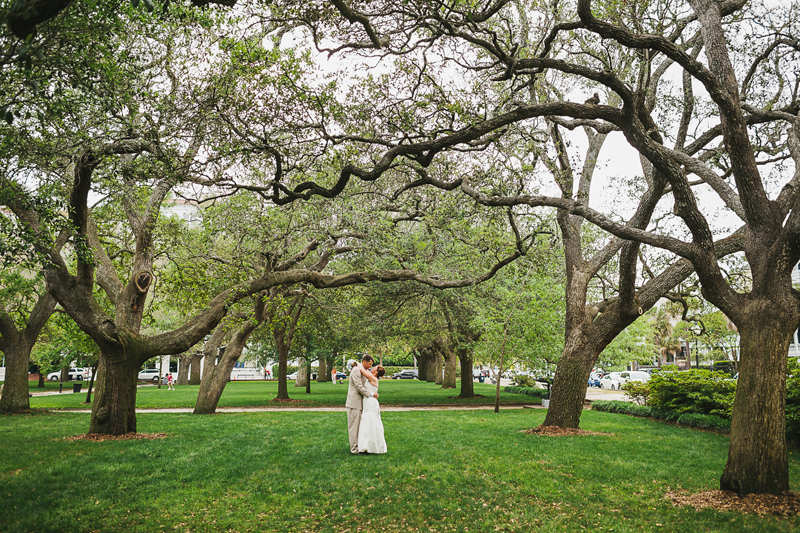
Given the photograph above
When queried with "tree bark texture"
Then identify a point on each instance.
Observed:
(467, 382)
(302, 373)
(184, 364)
(757, 457)
(216, 377)
(16, 345)
(283, 360)
(569, 384)
(324, 373)
(450, 361)
(424, 358)
(195, 375)
(14, 394)
(438, 367)
(114, 407)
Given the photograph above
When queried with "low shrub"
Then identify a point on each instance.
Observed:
(524, 381)
(692, 391)
(695, 420)
(625, 408)
(530, 391)
(638, 391)
(705, 422)
(793, 408)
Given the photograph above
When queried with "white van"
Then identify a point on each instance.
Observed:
(610, 381)
(633, 375)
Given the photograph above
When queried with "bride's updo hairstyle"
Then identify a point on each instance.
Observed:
(381, 371)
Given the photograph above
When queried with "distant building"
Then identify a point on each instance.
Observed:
(183, 209)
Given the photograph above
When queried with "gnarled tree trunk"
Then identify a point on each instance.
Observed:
(215, 377)
(302, 373)
(114, 407)
(424, 358)
(16, 345)
(757, 457)
(569, 384)
(195, 374)
(449, 360)
(14, 393)
(467, 383)
(184, 363)
(283, 359)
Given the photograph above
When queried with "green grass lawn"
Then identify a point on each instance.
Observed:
(291, 471)
(261, 394)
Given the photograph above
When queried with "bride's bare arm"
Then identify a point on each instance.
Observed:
(367, 374)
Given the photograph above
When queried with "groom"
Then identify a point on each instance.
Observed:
(355, 393)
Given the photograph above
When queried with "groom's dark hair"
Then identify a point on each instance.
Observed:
(367, 358)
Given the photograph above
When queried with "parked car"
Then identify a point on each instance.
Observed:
(610, 381)
(633, 375)
(293, 375)
(76, 374)
(340, 376)
(148, 374)
(408, 373)
(594, 380)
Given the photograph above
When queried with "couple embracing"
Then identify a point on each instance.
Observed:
(364, 424)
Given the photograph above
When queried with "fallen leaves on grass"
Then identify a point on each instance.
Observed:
(786, 504)
(99, 437)
(290, 400)
(555, 431)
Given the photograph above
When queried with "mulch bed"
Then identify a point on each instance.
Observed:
(786, 504)
(98, 437)
(555, 431)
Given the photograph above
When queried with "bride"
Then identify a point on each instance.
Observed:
(370, 430)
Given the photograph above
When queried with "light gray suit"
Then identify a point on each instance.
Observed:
(356, 391)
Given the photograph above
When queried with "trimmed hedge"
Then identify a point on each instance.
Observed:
(692, 391)
(695, 420)
(530, 391)
(524, 381)
(793, 408)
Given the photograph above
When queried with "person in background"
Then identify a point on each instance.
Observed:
(333, 377)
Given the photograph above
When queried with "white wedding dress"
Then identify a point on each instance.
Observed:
(370, 430)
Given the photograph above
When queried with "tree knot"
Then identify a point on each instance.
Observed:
(143, 280)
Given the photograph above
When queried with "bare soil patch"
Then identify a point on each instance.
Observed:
(98, 437)
(786, 504)
(555, 431)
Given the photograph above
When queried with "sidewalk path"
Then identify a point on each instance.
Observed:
(341, 409)
(592, 394)
(67, 389)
